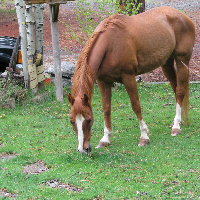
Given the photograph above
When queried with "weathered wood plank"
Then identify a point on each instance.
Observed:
(54, 10)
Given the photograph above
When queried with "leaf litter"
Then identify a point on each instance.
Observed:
(35, 168)
(6, 156)
(39, 167)
(5, 193)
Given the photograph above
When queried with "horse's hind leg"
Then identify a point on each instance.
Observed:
(131, 87)
(179, 81)
(170, 73)
(105, 90)
(182, 93)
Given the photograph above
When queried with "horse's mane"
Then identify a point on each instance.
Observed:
(84, 76)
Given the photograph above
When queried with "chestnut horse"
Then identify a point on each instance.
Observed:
(122, 47)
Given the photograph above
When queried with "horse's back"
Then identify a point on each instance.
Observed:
(155, 21)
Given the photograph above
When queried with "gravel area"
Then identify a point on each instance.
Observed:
(177, 4)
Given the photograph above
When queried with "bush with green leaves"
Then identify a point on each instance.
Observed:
(10, 89)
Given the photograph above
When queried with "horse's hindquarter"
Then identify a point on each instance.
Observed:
(154, 41)
(162, 32)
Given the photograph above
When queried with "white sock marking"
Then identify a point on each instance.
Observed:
(144, 130)
(177, 119)
(107, 135)
(79, 121)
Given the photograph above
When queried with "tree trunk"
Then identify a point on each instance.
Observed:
(22, 30)
(31, 48)
(54, 10)
(39, 43)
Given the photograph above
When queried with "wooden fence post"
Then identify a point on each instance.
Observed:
(54, 10)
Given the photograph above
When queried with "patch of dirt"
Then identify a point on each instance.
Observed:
(56, 184)
(9, 27)
(35, 168)
(4, 193)
(6, 156)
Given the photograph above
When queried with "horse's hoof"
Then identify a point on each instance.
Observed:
(102, 144)
(175, 132)
(143, 142)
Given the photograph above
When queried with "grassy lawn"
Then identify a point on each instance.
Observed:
(167, 168)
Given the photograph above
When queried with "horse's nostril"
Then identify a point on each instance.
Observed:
(86, 150)
(89, 149)
(83, 151)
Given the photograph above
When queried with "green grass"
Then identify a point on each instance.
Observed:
(167, 168)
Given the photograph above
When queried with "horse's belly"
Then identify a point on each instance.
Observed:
(150, 64)
(151, 59)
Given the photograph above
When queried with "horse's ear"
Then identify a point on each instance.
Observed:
(85, 100)
(71, 99)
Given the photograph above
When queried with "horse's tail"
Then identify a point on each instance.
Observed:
(185, 104)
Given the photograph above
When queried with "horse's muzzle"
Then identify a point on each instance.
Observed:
(87, 150)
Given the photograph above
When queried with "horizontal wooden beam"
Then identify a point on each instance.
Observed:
(46, 1)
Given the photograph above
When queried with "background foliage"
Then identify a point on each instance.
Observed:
(87, 17)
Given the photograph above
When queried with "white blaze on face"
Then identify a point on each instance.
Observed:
(79, 121)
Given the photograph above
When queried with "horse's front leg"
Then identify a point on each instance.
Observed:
(131, 87)
(105, 90)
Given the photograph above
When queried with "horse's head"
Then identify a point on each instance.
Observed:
(81, 118)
